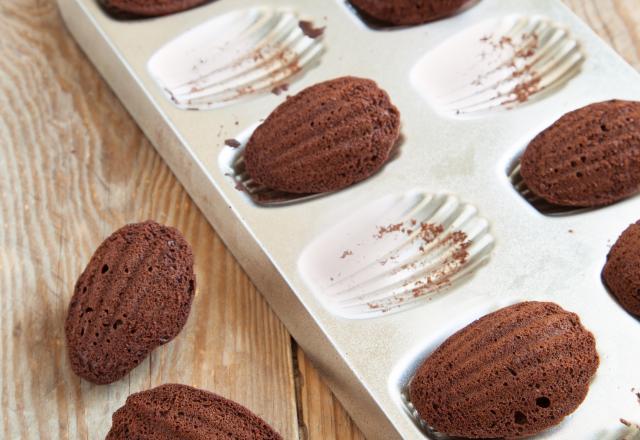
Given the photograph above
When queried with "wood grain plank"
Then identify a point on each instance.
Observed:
(615, 21)
(322, 415)
(74, 167)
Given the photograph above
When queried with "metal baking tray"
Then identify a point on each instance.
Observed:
(352, 274)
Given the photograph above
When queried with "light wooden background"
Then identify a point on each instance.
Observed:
(74, 167)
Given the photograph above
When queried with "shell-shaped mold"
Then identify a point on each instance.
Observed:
(498, 64)
(543, 206)
(234, 56)
(395, 253)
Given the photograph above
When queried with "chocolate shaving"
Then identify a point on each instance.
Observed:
(309, 30)
(232, 143)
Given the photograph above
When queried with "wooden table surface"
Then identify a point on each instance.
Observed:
(74, 167)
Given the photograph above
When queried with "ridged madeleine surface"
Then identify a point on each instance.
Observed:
(174, 411)
(325, 138)
(134, 295)
(510, 374)
(622, 271)
(409, 12)
(589, 157)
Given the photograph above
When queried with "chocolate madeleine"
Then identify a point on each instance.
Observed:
(510, 374)
(327, 137)
(409, 12)
(134, 295)
(149, 8)
(589, 157)
(175, 411)
(621, 272)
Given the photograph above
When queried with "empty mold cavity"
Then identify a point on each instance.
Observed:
(544, 207)
(237, 55)
(497, 65)
(395, 253)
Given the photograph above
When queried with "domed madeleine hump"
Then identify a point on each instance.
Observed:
(174, 411)
(134, 295)
(325, 138)
(510, 374)
(589, 157)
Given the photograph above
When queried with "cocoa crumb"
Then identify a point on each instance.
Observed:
(504, 41)
(384, 230)
(309, 30)
(277, 90)
(524, 90)
(232, 143)
(346, 253)
(244, 90)
(428, 232)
